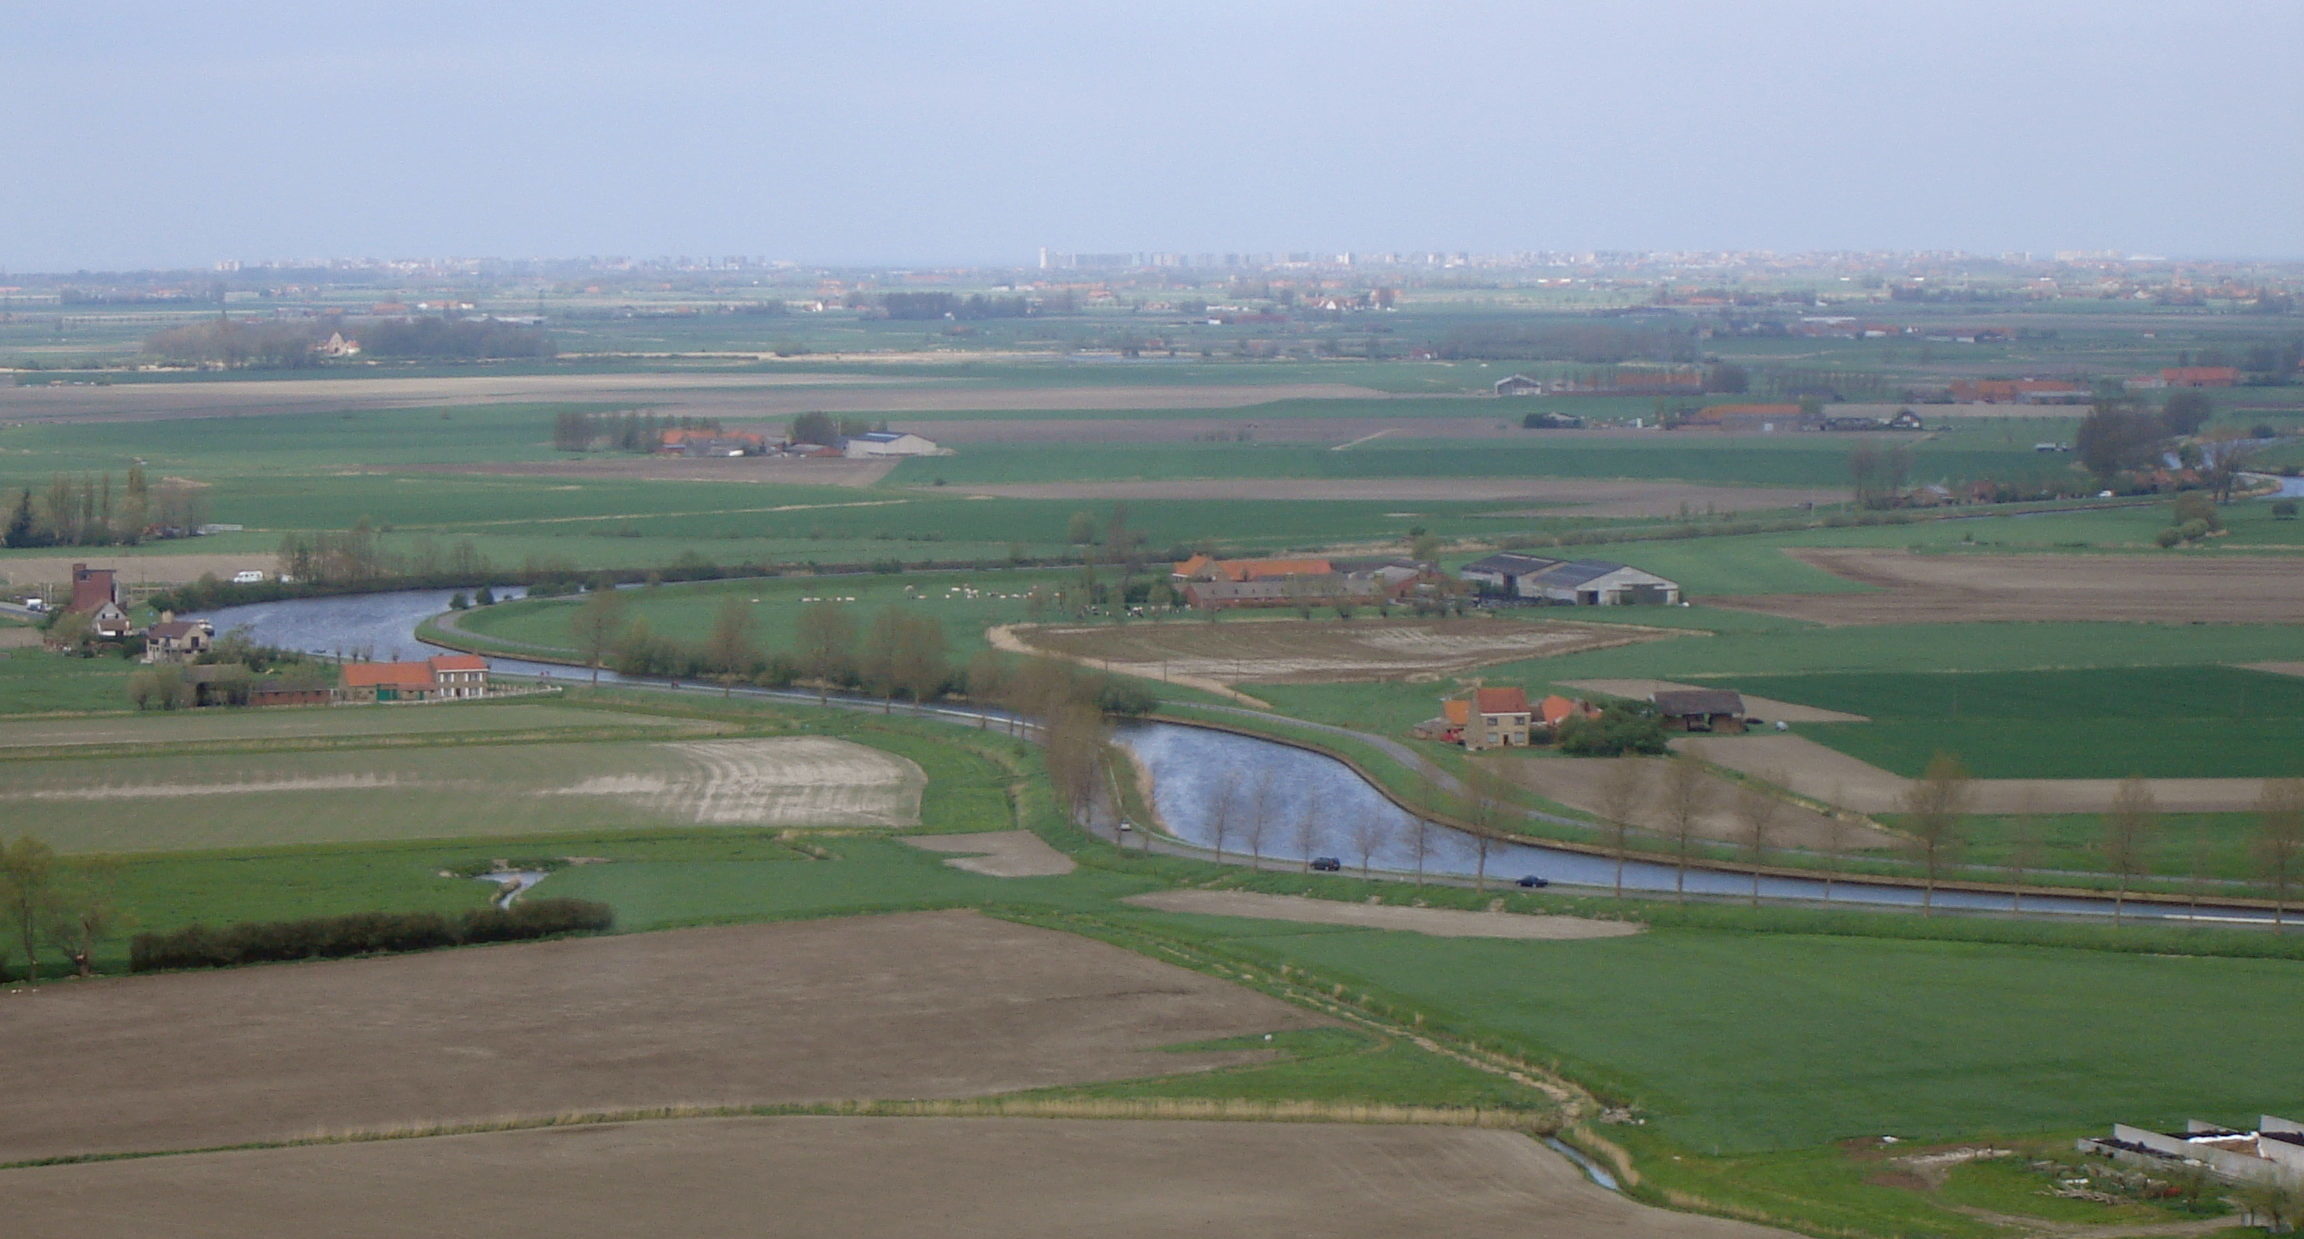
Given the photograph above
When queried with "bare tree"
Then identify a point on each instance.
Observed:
(1223, 822)
(597, 625)
(733, 648)
(28, 895)
(1488, 803)
(1367, 837)
(1935, 809)
(2279, 845)
(1256, 830)
(1420, 843)
(84, 914)
(1760, 814)
(2127, 837)
(825, 640)
(2024, 846)
(1075, 746)
(1622, 789)
(1686, 797)
(1305, 829)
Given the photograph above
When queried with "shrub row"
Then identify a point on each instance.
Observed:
(361, 933)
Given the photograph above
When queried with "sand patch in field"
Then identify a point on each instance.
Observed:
(1435, 922)
(784, 781)
(245, 787)
(1243, 649)
(998, 853)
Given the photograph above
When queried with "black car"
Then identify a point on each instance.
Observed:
(1532, 881)
(1327, 864)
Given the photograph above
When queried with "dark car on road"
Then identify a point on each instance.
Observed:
(1531, 881)
(1327, 864)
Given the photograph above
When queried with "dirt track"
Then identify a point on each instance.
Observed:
(951, 1178)
(1436, 922)
(919, 1005)
(1836, 778)
(1561, 496)
(2175, 588)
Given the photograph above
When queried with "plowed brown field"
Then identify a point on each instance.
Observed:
(945, 1004)
(950, 1178)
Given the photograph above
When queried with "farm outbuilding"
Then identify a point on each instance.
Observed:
(1582, 582)
(890, 443)
(1700, 709)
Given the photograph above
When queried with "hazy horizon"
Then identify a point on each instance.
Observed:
(906, 133)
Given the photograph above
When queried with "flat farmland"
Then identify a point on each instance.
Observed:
(179, 802)
(1319, 651)
(961, 1178)
(921, 1005)
(229, 726)
(1585, 497)
(2168, 588)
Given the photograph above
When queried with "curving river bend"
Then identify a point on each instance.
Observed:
(1313, 805)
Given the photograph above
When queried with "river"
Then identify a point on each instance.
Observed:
(1312, 804)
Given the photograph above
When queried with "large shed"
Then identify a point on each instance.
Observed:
(1700, 709)
(1600, 583)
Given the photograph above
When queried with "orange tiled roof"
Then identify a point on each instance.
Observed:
(388, 675)
(1502, 700)
(1457, 711)
(457, 662)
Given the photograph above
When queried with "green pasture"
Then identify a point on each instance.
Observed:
(34, 681)
(1736, 1042)
(2156, 721)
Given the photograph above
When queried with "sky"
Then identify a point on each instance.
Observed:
(900, 132)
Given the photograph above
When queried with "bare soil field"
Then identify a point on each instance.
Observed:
(1322, 651)
(1562, 496)
(731, 397)
(957, 1178)
(2296, 668)
(2175, 588)
(1833, 777)
(998, 853)
(920, 1005)
(1435, 922)
(1759, 707)
(1326, 431)
(774, 470)
(15, 638)
(1577, 782)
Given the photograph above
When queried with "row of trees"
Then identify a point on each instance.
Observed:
(574, 430)
(923, 306)
(92, 510)
(264, 344)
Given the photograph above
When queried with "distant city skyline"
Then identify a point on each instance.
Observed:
(913, 133)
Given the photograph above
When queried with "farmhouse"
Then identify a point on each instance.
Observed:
(1700, 709)
(1489, 718)
(96, 594)
(889, 443)
(177, 641)
(441, 677)
(2200, 376)
(2273, 1153)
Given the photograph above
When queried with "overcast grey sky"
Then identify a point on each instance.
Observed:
(142, 134)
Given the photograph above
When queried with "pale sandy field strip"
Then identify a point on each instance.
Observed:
(805, 1176)
(943, 1004)
(998, 853)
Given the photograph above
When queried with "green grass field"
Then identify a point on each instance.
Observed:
(2159, 722)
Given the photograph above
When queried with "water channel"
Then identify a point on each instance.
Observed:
(1310, 804)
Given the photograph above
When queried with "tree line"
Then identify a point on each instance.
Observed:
(265, 344)
(91, 510)
(575, 430)
(923, 306)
